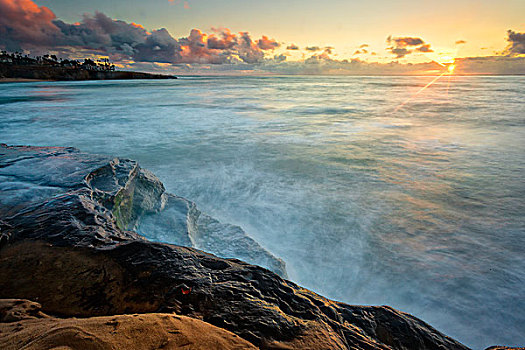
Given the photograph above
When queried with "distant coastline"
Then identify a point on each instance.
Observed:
(17, 68)
(15, 73)
(18, 73)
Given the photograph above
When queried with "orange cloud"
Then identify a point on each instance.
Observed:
(424, 48)
(223, 46)
(226, 39)
(267, 44)
(135, 25)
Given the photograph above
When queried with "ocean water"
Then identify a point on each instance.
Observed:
(371, 192)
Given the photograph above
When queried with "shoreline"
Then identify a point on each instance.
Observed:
(20, 80)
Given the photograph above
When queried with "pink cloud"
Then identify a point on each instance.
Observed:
(23, 21)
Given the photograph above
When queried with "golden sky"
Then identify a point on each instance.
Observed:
(212, 32)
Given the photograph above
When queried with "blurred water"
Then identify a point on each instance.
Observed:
(422, 208)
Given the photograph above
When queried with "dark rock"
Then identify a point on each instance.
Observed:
(69, 251)
(77, 188)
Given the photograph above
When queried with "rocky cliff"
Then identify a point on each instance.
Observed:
(69, 240)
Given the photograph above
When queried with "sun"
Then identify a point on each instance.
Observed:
(451, 68)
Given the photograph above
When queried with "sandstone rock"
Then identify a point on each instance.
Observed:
(13, 310)
(145, 331)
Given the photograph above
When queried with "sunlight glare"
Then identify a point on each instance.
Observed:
(419, 91)
(447, 59)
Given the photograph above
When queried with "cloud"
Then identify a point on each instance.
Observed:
(359, 52)
(407, 41)
(225, 40)
(323, 64)
(400, 52)
(247, 50)
(312, 48)
(516, 43)
(222, 47)
(25, 25)
(494, 65)
(267, 44)
(159, 46)
(24, 22)
(112, 37)
(461, 42)
(402, 46)
(315, 59)
(292, 47)
(280, 58)
(424, 48)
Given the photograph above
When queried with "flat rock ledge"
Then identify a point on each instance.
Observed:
(66, 243)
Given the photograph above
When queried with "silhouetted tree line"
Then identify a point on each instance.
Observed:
(17, 58)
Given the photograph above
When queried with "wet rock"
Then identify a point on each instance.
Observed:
(71, 253)
(78, 188)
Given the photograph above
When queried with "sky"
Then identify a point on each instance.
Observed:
(282, 37)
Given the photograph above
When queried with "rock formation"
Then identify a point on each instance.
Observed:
(66, 242)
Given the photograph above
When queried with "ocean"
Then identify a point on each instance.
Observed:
(372, 190)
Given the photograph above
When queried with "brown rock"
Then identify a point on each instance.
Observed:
(145, 331)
